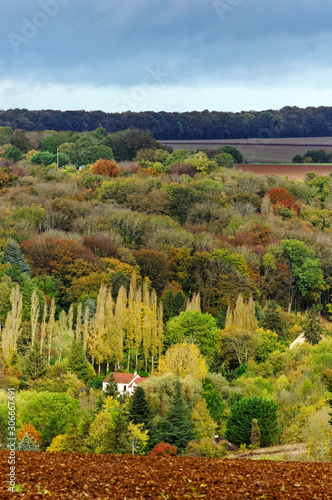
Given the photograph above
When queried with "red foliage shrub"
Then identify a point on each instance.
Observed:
(105, 167)
(258, 234)
(279, 194)
(101, 246)
(163, 449)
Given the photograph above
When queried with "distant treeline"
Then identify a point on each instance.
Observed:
(286, 122)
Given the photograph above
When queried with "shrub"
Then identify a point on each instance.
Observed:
(32, 434)
(206, 448)
(163, 449)
(239, 423)
(105, 167)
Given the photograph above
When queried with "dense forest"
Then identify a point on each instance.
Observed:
(117, 254)
(286, 122)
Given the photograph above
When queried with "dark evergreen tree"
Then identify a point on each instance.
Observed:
(78, 362)
(14, 256)
(312, 327)
(34, 365)
(117, 439)
(273, 318)
(177, 429)
(239, 423)
(111, 387)
(173, 304)
(140, 411)
(214, 402)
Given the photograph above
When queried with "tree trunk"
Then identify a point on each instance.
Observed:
(107, 367)
(152, 364)
(136, 361)
(128, 365)
(146, 362)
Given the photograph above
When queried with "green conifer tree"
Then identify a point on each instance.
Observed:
(14, 256)
(140, 412)
(28, 444)
(35, 363)
(112, 387)
(312, 327)
(78, 362)
(239, 423)
(177, 428)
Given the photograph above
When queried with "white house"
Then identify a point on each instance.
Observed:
(126, 381)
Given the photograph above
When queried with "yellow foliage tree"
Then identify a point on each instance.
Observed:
(58, 443)
(30, 154)
(182, 360)
(139, 436)
(204, 424)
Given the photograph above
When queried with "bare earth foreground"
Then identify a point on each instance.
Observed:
(72, 475)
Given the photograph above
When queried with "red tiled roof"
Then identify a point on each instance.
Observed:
(125, 378)
(137, 381)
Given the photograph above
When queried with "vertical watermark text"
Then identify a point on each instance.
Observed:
(11, 439)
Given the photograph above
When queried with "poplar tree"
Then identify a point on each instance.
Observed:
(16, 313)
(43, 329)
(243, 315)
(146, 323)
(110, 328)
(131, 324)
(96, 340)
(138, 324)
(62, 333)
(195, 303)
(50, 330)
(35, 310)
(86, 328)
(12, 329)
(78, 329)
(120, 323)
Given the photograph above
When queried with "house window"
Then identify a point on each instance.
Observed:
(124, 388)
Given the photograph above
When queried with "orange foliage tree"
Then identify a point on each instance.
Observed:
(32, 433)
(105, 167)
(280, 196)
(62, 258)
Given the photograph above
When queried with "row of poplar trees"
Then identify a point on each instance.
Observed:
(133, 322)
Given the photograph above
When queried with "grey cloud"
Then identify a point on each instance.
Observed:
(113, 42)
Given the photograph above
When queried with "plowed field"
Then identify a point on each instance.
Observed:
(70, 475)
(294, 171)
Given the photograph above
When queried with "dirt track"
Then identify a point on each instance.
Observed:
(73, 476)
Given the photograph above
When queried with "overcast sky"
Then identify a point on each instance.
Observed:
(171, 55)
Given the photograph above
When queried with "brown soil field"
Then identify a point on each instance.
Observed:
(260, 150)
(293, 171)
(77, 476)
